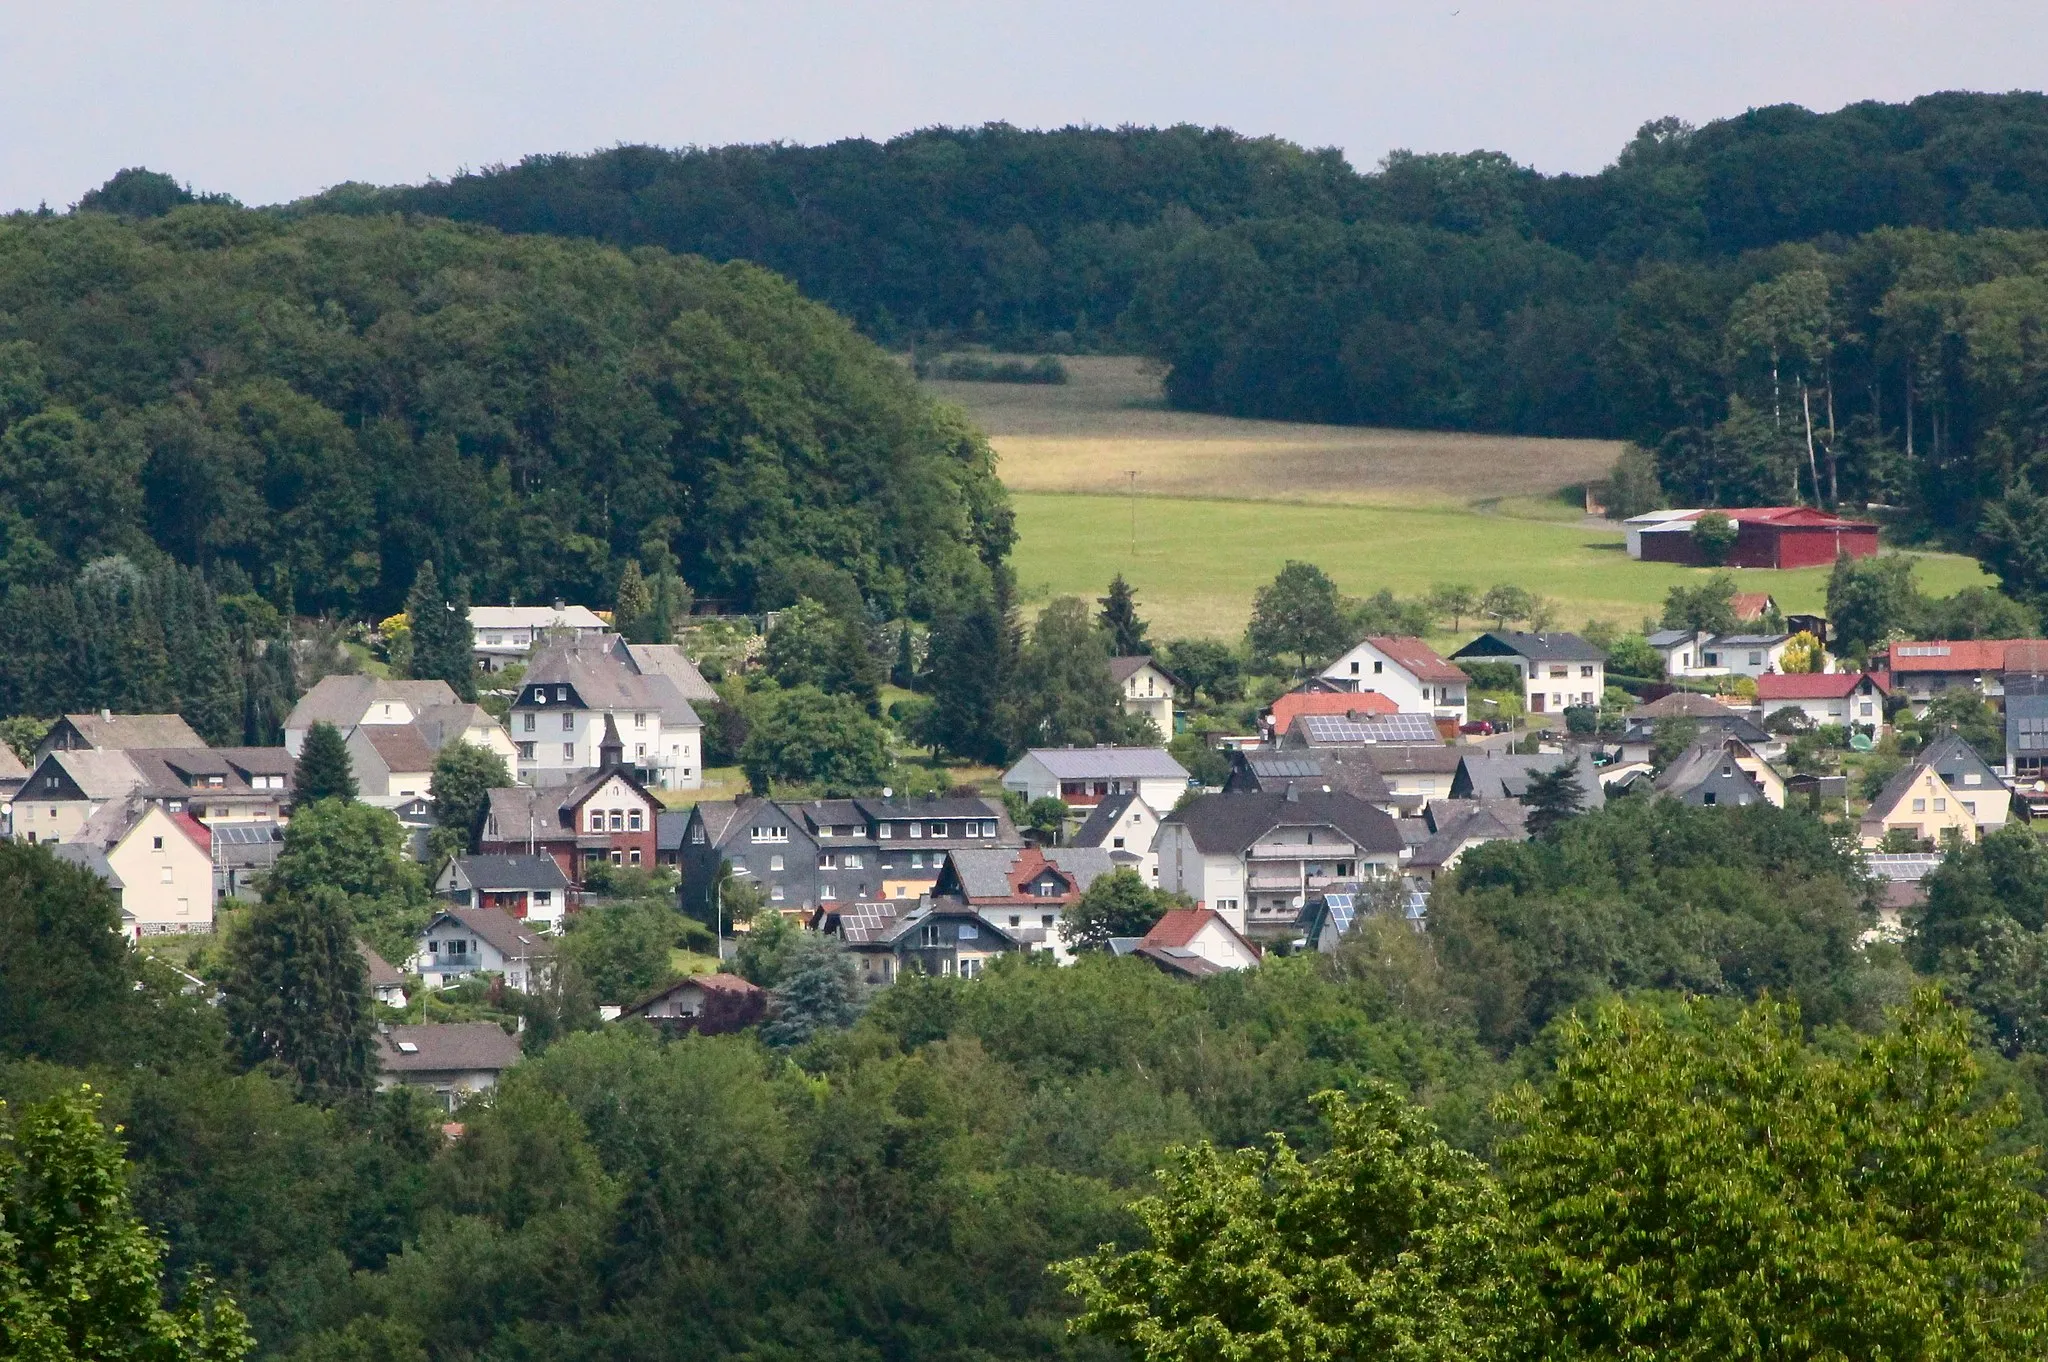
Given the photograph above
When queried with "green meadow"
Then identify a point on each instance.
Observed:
(1197, 561)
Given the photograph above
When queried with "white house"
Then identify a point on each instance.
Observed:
(506, 633)
(575, 691)
(1405, 670)
(1147, 689)
(1681, 649)
(1843, 699)
(346, 701)
(1126, 827)
(1084, 776)
(159, 864)
(532, 889)
(459, 942)
(1255, 858)
(452, 1060)
(1196, 942)
(1558, 671)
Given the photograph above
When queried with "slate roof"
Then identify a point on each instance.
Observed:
(1535, 647)
(1122, 669)
(88, 857)
(1949, 755)
(550, 806)
(1095, 828)
(1505, 776)
(1400, 759)
(440, 725)
(101, 775)
(669, 826)
(1417, 658)
(1107, 763)
(1227, 824)
(949, 806)
(1698, 764)
(994, 873)
(377, 971)
(1485, 822)
(1683, 704)
(1349, 770)
(604, 680)
(1670, 638)
(446, 1047)
(344, 700)
(669, 660)
(118, 732)
(1897, 788)
(509, 872)
(513, 939)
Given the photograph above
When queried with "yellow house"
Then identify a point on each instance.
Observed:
(1919, 801)
(160, 865)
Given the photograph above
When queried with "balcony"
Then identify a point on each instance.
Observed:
(1274, 880)
(1302, 851)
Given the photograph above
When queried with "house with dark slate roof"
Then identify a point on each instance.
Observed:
(1022, 888)
(1558, 671)
(1491, 775)
(1255, 858)
(1975, 781)
(1084, 776)
(459, 942)
(1353, 770)
(1127, 828)
(532, 889)
(1707, 775)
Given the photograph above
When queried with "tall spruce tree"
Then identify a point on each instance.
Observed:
(1120, 618)
(441, 636)
(632, 603)
(967, 676)
(324, 770)
(296, 993)
(904, 671)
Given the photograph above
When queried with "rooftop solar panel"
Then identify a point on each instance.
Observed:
(1387, 728)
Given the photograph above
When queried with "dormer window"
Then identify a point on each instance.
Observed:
(562, 694)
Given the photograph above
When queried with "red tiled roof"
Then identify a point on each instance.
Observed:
(1294, 704)
(1417, 658)
(1807, 685)
(1751, 605)
(2027, 656)
(1182, 925)
(196, 830)
(1945, 655)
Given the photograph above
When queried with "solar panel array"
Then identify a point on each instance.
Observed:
(1336, 730)
(1342, 907)
(244, 834)
(866, 921)
(1277, 766)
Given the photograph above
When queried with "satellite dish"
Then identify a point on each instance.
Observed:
(1297, 902)
(888, 793)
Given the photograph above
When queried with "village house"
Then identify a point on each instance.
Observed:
(1350, 769)
(159, 864)
(346, 701)
(1125, 827)
(602, 816)
(453, 1060)
(459, 942)
(1361, 730)
(1405, 670)
(107, 731)
(1918, 802)
(392, 763)
(1413, 773)
(67, 787)
(1921, 671)
(1192, 943)
(532, 889)
(1083, 776)
(503, 634)
(1023, 888)
(2026, 726)
(1279, 717)
(1851, 700)
(1706, 715)
(387, 985)
(1975, 782)
(706, 1004)
(1455, 826)
(1558, 671)
(1147, 691)
(1709, 774)
(580, 695)
(1256, 857)
(809, 854)
(939, 938)
(1485, 775)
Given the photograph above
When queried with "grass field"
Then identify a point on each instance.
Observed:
(1221, 504)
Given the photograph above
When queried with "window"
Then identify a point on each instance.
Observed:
(771, 833)
(969, 969)
(1046, 921)
(1117, 843)
(775, 863)
(917, 829)
(166, 874)
(639, 721)
(561, 693)
(1941, 806)
(882, 832)
(633, 856)
(853, 861)
(532, 721)
(1378, 667)
(526, 751)
(640, 749)
(1973, 778)
(569, 722)
(156, 844)
(1710, 659)
(1560, 671)
(1756, 659)
(1048, 888)
(1586, 670)
(775, 893)
(824, 860)
(597, 820)
(697, 834)
(1707, 798)
(633, 821)
(917, 860)
(568, 751)
(1354, 669)
(938, 829)
(617, 858)
(618, 820)
(543, 897)
(1970, 807)
(1919, 806)
(827, 894)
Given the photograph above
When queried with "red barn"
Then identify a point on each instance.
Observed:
(1766, 537)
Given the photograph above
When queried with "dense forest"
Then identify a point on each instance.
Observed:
(307, 411)
(1874, 269)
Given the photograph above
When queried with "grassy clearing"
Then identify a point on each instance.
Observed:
(1199, 561)
(1085, 436)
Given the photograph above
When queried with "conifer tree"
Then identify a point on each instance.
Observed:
(967, 675)
(441, 636)
(297, 995)
(324, 770)
(632, 603)
(1120, 617)
(904, 672)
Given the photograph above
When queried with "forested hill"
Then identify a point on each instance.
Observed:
(1022, 234)
(315, 406)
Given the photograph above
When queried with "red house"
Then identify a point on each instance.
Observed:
(1766, 537)
(603, 816)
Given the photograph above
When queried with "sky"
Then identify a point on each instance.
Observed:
(269, 101)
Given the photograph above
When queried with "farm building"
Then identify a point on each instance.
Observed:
(1766, 537)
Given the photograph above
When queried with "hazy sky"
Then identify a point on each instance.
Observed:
(271, 100)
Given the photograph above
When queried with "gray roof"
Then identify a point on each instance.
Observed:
(512, 872)
(118, 732)
(1949, 754)
(1893, 791)
(1506, 776)
(378, 971)
(1670, 638)
(1350, 770)
(949, 806)
(11, 766)
(1103, 818)
(440, 725)
(668, 829)
(1226, 824)
(1748, 640)
(87, 857)
(344, 700)
(1108, 763)
(668, 659)
(1391, 759)
(607, 680)
(401, 747)
(1703, 763)
(1122, 669)
(985, 872)
(1484, 823)
(446, 1047)
(1683, 704)
(1535, 647)
(100, 774)
(513, 939)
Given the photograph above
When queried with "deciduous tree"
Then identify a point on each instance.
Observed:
(1300, 616)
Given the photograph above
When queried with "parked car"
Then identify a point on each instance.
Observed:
(1478, 727)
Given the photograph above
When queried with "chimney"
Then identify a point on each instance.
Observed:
(106, 716)
(1293, 794)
